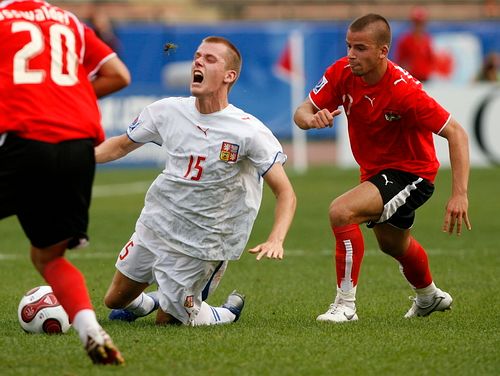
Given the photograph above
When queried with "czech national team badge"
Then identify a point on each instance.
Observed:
(189, 302)
(229, 152)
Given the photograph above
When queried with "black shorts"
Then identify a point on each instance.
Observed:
(401, 193)
(48, 187)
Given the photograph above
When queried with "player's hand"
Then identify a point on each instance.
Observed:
(456, 215)
(270, 249)
(323, 119)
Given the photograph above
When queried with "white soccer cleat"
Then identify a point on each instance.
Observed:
(441, 302)
(338, 312)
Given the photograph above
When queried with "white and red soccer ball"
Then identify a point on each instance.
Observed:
(39, 311)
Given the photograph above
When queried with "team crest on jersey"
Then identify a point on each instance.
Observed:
(392, 116)
(189, 301)
(134, 124)
(229, 152)
(320, 85)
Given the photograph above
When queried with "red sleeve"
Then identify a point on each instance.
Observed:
(325, 93)
(96, 52)
(428, 112)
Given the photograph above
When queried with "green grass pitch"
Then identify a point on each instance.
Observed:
(277, 333)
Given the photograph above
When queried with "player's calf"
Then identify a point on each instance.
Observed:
(141, 306)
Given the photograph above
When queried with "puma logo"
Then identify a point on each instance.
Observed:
(387, 181)
(204, 130)
(370, 99)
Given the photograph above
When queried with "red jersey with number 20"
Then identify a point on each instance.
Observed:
(391, 123)
(47, 59)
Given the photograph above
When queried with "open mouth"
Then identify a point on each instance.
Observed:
(197, 77)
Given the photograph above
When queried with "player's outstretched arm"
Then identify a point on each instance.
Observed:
(115, 148)
(112, 76)
(307, 116)
(456, 209)
(284, 211)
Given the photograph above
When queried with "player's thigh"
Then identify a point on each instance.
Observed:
(182, 281)
(136, 260)
(123, 290)
(358, 205)
(214, 280)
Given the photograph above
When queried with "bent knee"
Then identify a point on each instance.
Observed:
(163, 318)
(339, 214)
(112, 301)
(109, 303)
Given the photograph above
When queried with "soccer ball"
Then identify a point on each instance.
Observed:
(39, 311)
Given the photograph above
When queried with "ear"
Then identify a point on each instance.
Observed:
(384, 51)
(230, 76)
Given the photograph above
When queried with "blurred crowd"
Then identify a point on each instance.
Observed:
(416, 53)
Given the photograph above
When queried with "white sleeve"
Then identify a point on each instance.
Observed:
(265, 150)
(144, 129)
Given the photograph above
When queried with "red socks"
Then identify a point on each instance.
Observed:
(349, 251)
(68, 285)
(415, 265)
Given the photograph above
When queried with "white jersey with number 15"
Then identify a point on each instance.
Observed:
(205, 201)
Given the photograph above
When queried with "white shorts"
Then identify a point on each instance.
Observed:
(183, 281)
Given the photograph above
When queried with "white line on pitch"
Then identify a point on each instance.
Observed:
(77, 254)
(120, 189)
(83, 254)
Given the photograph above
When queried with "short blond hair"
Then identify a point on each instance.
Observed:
(233, 57)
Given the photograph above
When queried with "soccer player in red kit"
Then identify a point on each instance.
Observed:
(52, 69)
(391, 122)
(414, 50)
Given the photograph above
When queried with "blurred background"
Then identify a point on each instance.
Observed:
(453, 47)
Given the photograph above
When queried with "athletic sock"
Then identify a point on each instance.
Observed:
(414, 265)
(68, 285)
(85, 321)
(142, 305)
(349, 251)
(209, 315)
(425, 296)
(346, 298)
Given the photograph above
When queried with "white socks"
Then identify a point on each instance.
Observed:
(425, 296)
(142, 305)
(84, 321)
(209, 315)
(347, 298)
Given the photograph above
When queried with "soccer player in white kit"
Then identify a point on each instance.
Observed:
(200, 210)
